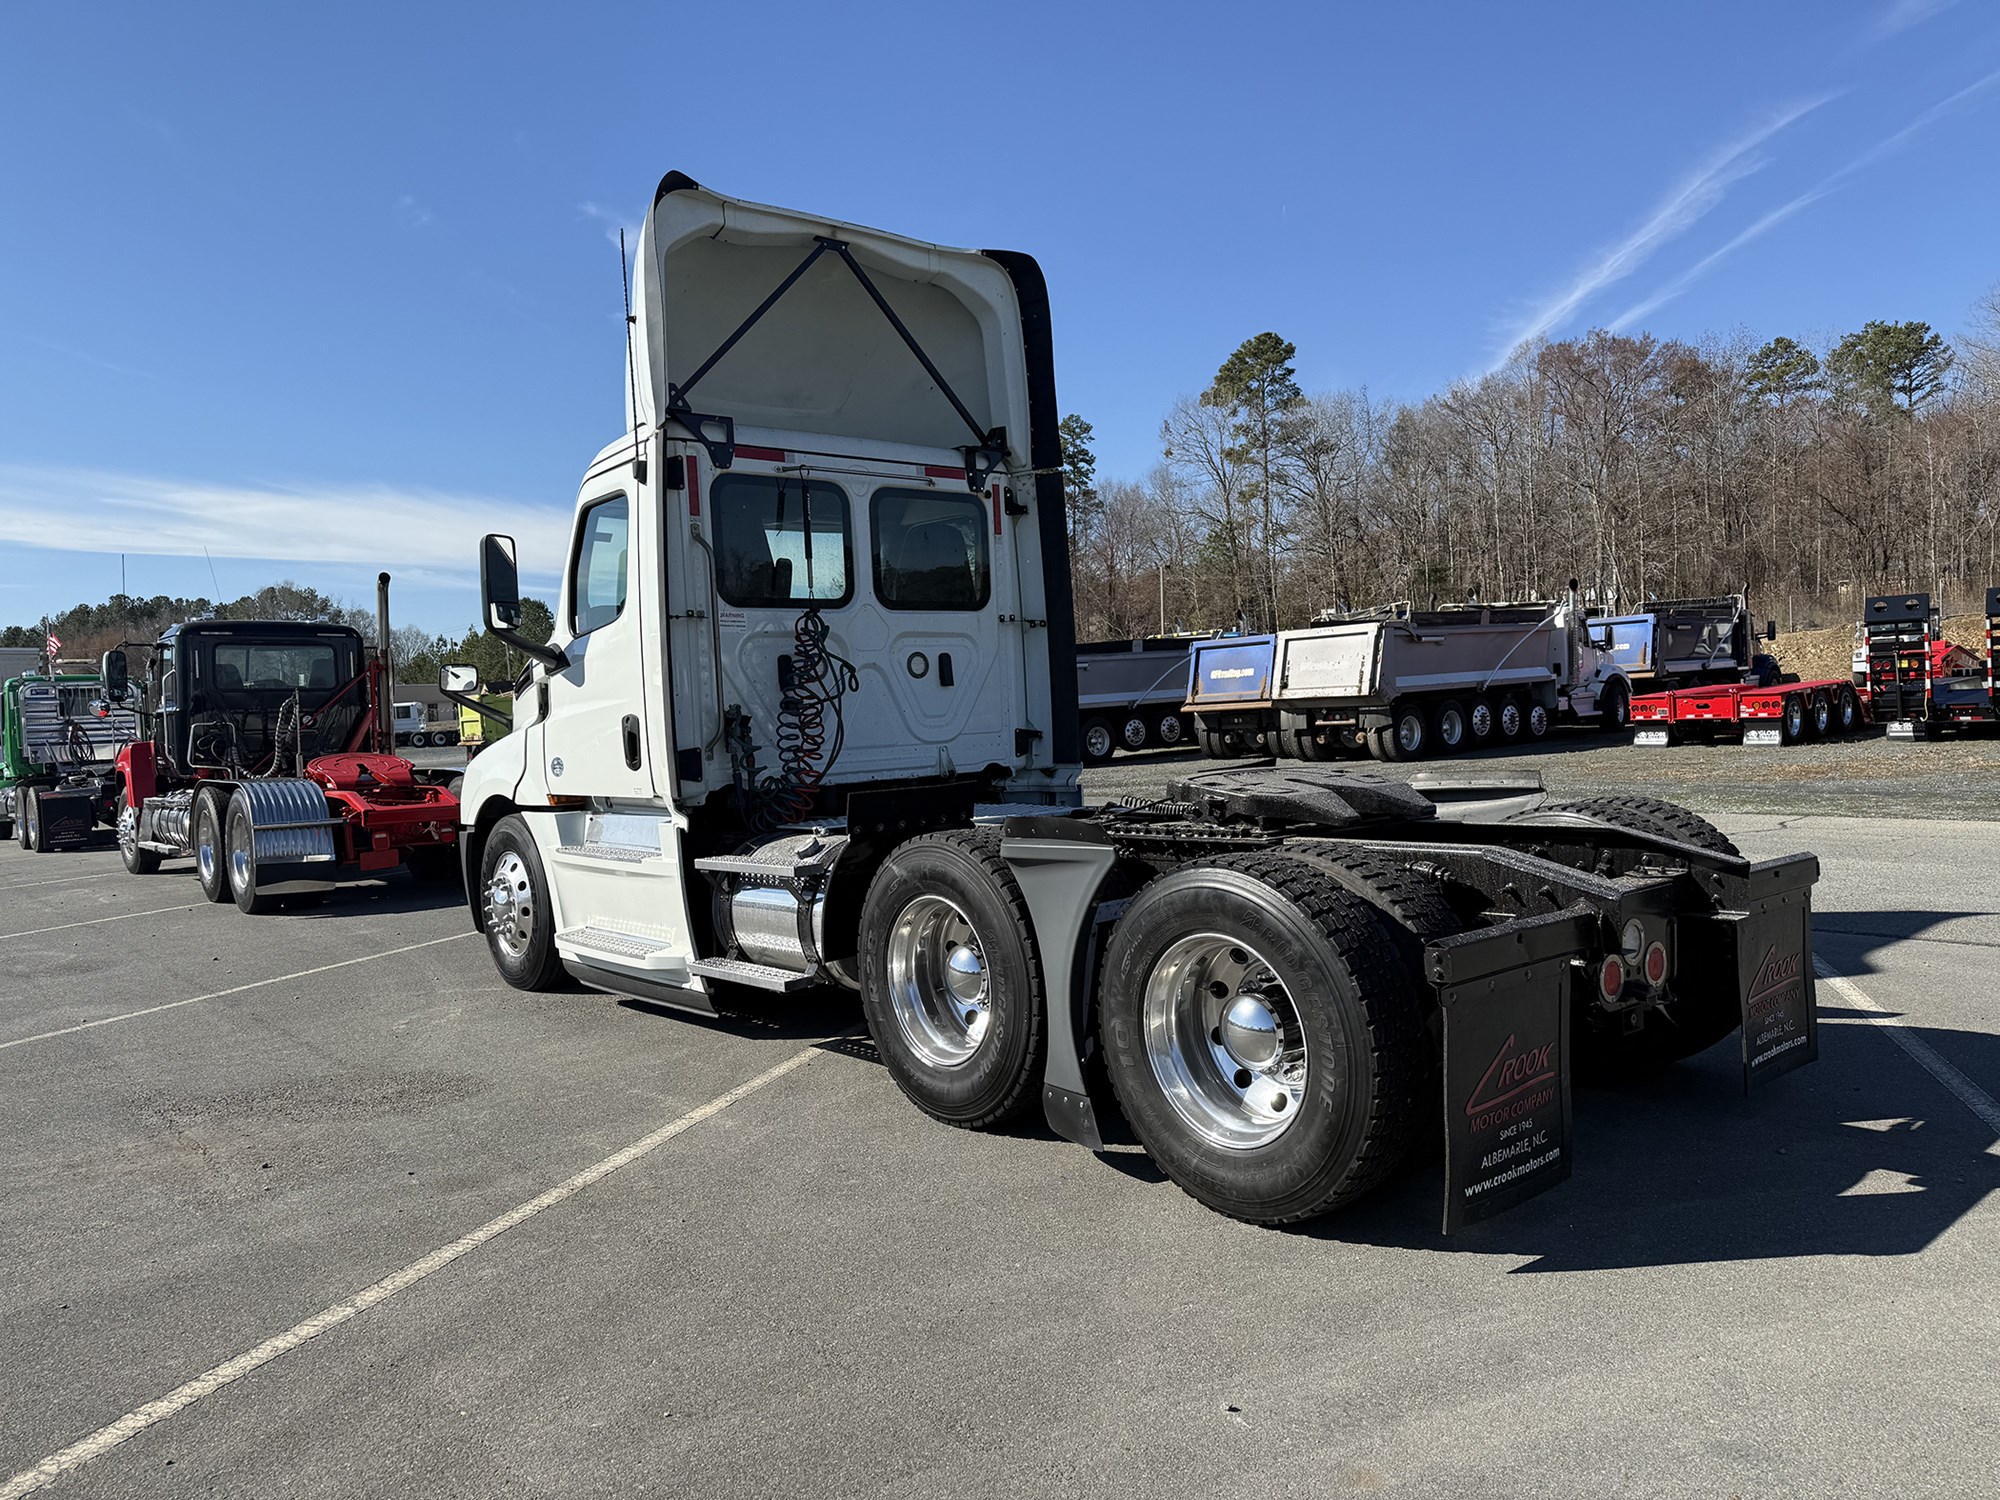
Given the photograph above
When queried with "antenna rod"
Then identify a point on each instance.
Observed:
(631, 364)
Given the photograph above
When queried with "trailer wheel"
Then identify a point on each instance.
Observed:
(1297, 738)
(211, 866)
(1215, 744)
(137, 861)
(951, 980)
(1511, 717)
(1097, 742)
(240, 851)
(1480, 722)
(1406, 736)
(1452, 730)
(1132, 733)
(1848, 714)
(1261, 1031)
(520, 920)
(1792, 728)
(1168, 731)
(1822, 715)
(1536, 721)
(29, 830)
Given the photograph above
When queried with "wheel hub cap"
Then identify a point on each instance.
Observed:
(1250, 1032)
(510, 909)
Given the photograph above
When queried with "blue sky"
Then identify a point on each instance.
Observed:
(330, 289)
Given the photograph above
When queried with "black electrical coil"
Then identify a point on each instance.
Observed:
(810, 727)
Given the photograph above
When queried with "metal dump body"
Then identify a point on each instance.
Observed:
(1231, 672)
(1131, 674)
(1431, 651)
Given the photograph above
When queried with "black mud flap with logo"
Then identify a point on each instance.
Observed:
(67, 815)
(1504, 993)
(1771, 938)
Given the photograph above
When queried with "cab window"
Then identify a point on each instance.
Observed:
(781, 541)
(930, 550)
(597, 577)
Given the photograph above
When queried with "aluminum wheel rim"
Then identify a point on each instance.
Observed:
(239, 857)
(1822, 715)
(510, 904)
(1409, 733)
(1482, 721)
(1510, 720)
(128, 828)
(204, 854)
(1135, 734)
(939, 986)
(1170, 730)
(1097, 740)
(1795, 717)
(1451, 728)
(1538, 721)
(1224, 1041)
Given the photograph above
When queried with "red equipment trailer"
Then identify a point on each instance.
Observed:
(1782, 714)
(1918, 682)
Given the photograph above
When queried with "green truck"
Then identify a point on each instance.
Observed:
(58, 747)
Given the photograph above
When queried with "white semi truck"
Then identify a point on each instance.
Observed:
(808, 723)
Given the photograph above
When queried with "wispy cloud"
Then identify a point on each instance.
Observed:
(1880, 151)
(1900, 15)
(89, 359)
(612, 223)
(412, 214)
(1689, 202)
(76, 510)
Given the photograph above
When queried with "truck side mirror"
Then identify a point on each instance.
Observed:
(117, 676)
(1770, 630)
(499, 582)
(458, 679)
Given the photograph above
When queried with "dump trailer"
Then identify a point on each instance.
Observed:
(807, 723)
(1230, 695)
(1919, 683)
(59, 744)
(264, 753)
(1130, 695)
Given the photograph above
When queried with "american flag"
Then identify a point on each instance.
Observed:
(54, 644)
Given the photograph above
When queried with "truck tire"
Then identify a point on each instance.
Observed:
(1480, 722)
(1536, 721)
(1821, 719)
(1614, 708)
(1691, 1023)
(29, 829)
(519, 917)
(1510, 717)
(239, 844)
(1220, 744)
(1132, 733)
(1098, 741)
(211, 863)
(1407, 737)
(1261, 1034)
(1847, 716)
(951, 980)
(1792, 726)
(1449, 725)
(1169, 731)
(1297, 738)
(137, 861)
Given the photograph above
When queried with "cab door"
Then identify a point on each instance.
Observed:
(594, 739)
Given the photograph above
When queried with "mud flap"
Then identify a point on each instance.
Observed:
(65, 816)
(1505, 996)
(1762, 942)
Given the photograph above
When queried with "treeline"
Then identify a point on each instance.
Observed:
(87, 631)
(1810, 477)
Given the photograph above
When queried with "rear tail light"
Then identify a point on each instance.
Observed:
(1656, 965)
(1611, 977)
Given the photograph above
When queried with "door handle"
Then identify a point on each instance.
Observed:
(629, 725)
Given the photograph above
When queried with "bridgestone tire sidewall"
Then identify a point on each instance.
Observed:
(1292, 1175)
(1004, 1074)
(537, 968)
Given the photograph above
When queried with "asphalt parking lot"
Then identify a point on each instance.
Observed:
(312, 1204)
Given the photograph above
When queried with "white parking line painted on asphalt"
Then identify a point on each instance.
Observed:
(1968, 1093)
(22, 885)
(121, 917)
(255, 984)
(181, 1397)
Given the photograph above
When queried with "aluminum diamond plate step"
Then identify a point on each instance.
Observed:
(624, 854)
(757, 976)
(630, 949)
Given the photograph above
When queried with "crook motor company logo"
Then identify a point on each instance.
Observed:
(1519, 1081)
(1778, 983)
